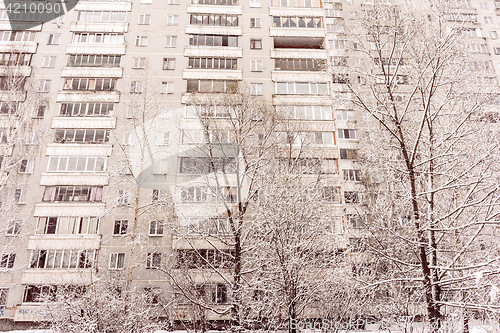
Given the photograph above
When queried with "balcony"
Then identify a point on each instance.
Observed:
(58, 178)
(97, 72)
(73, 149)
(99, 27)
(69, 208)
(84, 122)
(118, 49)
(88, 96)
(64, 242)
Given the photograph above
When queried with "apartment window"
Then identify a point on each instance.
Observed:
(26, 166)
(355, 221)
(144, 19)
(204, 165)
(347, 133)
(76, 164)
(297, 22)
(156, 228)
(100, 84)
(44, 85)
(493, 35)
(257, 89)
(213, 63)
(14, 58)
(153, 260)
(98, 38)
(169, 63)
(39, 293)
(255, 22)
(170, 41)
(205, 258)
(117, 261)
(331, 194)
(256, 44)
(213, 40)
(139, 63)
(7, 260)
(208, 111)
(141, 41)
(62, 259)
(67, 225)
(13, 228)
(81, 136)
(352, 175)
(49, 62)
(3, 296)
(296, 64)
(212, 86)
(40, 112)
(72, 193)
(86, 109)
(484, 5)
(158, 195)
(167, 87)
(136, 87)
(306, 112)
(173, 20)
(302, 88)
(54, 39)
(344, 114)
(120, 227)
(174, 2)
(93, 60)
(351, 197)
(214, 19)
(209, 194)
(123, 197)
(256, 66)
(488, 20)
(348, 154)
(101, 16)
(255, 3)
(20, 196)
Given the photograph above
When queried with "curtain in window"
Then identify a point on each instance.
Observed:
(50, 193)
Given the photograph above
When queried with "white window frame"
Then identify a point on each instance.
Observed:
(171, 41)
(172, 20)
(257, 89)
(114, 260)
(167, 87)
(255, 3)
(139, 63)
(44, 85)
(256, 65)
(158, 228)
(27, 165)
(13, 228)
(255, 22)
(141, 41)
(123, 197)
(144, 19)
(49, 62)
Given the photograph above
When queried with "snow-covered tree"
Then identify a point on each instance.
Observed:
(428, 155)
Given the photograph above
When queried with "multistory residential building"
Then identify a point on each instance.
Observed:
(102, 65)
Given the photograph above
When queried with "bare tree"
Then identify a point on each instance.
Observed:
(104, 306)
(227, 152)
(431, 177)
